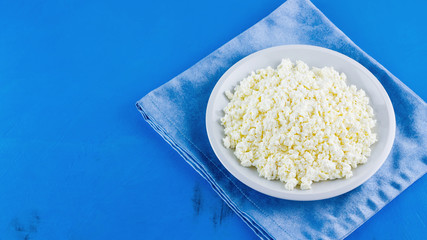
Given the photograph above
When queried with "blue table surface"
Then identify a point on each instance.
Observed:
(77, 161)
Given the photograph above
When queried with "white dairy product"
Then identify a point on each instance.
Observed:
(299, 125)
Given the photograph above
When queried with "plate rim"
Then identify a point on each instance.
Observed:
(290, 195)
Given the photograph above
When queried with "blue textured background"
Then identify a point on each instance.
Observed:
(78, 162)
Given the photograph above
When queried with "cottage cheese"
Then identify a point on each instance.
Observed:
(299, 125)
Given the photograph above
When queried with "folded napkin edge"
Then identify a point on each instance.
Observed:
(252, 223)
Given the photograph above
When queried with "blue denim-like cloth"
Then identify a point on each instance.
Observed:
(176, 111)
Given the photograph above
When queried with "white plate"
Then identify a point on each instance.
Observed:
(314, 57)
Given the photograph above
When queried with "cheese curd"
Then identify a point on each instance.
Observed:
(299, 125)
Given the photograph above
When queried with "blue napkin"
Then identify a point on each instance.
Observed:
(176, 111)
